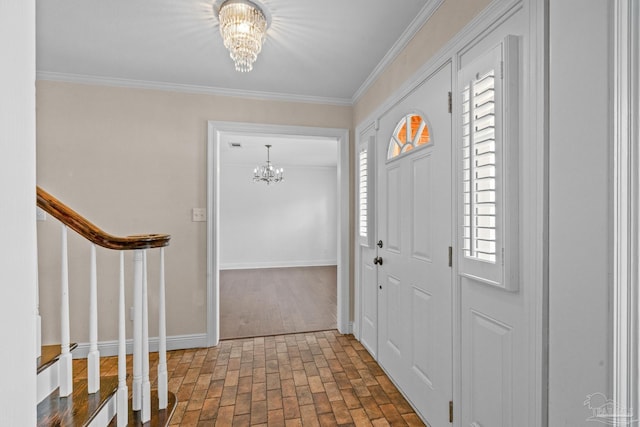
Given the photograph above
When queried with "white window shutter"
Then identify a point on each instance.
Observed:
(366, 194)
(488, 172)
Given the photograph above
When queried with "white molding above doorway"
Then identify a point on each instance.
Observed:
(216, 132)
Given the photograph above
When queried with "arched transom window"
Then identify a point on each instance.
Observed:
(411, 132)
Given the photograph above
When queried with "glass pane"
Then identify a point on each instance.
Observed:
(411, 132)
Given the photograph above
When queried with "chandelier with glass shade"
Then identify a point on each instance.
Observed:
(267, 173)
(243, 26)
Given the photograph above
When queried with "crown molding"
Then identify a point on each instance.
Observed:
(176, 87)
(496, 10)
(423, 16)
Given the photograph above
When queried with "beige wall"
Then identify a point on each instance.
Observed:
(443, 25)
(134, 161)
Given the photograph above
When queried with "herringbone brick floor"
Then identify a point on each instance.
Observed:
(308, 379)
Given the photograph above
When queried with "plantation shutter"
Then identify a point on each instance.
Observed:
(488, 122)
(365, 191)
(479, 166)
(362, 188)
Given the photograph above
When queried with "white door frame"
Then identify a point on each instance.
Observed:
(626, 186)
(367, 136)
(216, 131)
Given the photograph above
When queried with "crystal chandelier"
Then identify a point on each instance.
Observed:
(243, 26)
(267, 173)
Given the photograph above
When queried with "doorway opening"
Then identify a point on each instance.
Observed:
(278, 240)
(253, 257)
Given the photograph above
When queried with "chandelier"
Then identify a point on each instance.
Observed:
(267, 173)
(242, 25)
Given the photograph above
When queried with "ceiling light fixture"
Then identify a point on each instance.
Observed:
(242, 25)
(267, 173)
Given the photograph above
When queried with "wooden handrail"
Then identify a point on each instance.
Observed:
(89, 231)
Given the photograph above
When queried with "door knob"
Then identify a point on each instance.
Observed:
(377, 260)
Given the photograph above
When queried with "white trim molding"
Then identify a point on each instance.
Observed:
(186, 88)
(421, 18)
(626, 199)
(176, 342)
(216, 132)
(491, 16)
(278, 264)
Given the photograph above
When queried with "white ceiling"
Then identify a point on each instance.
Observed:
(316, 50)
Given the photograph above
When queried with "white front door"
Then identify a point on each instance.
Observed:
(414, 218)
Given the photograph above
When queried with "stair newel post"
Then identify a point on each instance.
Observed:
(162, 344)
(137, 330)
(123, 391)
(65, 363)
(146, 384)
(93, 358)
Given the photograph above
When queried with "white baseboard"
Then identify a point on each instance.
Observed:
(176, 342)
(276, 264)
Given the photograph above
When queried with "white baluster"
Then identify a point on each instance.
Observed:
(162, 344)
(137, 330)
(123, 391)
(64, 362)
(146, 385)
(93, 358)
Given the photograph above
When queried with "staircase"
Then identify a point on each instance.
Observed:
(68, 393)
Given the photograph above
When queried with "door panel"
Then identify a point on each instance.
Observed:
(393, 219)
(415, 225)
(394, 327)
(491, 337)
(423, 321)
(421, 209)
(369, 295)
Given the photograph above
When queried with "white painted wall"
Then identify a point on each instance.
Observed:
(579, 208)
(17, 213)
(292, 223)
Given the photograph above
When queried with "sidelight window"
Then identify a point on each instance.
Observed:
(488, 140)
(366, 179)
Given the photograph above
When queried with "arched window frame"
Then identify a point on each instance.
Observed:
(407, 147)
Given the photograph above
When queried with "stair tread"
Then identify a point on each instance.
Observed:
(79, 408)
(49, 354)
(159, 418)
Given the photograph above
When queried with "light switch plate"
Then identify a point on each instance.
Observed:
(198, 214)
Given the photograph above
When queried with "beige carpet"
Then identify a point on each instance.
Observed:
(274, 301)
